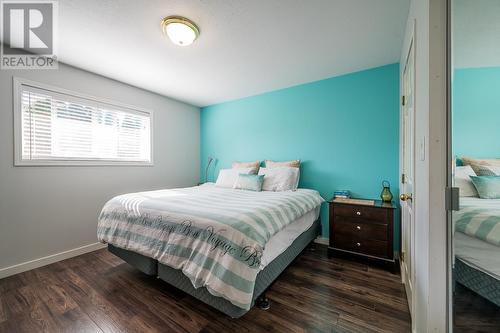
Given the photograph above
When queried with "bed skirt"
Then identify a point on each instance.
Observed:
(477, 281)
(263, 281)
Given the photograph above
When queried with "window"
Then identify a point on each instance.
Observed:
(57, 127)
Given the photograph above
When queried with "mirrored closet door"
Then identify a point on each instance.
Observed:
(475, 141)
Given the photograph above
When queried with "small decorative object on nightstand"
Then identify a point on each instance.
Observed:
(363, 231)
(386, 194)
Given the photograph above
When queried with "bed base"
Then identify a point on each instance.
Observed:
(144, 264)
(264, 280)
(479, 282)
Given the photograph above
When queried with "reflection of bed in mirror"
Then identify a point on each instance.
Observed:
(477, 258)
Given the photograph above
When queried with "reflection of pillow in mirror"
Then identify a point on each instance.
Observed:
(486, 170)
(488, 187)
(483, 161)
(464, 182)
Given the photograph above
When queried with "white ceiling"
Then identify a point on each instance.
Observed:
(476, 33)
(246, 47)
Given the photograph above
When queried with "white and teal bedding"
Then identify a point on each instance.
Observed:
(216, 236)
(479, 218)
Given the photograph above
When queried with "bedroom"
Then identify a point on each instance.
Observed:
(201, 166)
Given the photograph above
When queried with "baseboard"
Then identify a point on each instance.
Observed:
(321, 240)
(32, 264)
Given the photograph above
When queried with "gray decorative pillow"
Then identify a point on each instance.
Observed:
(486, 170)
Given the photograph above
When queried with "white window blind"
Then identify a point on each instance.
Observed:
(61, 127)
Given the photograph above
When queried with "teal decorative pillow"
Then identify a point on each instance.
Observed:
(488, 187)
(249, 182)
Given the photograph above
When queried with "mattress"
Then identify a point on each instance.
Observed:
(481, 283)
(478, 254)
(278, 243)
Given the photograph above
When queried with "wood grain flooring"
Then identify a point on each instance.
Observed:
(98, 292)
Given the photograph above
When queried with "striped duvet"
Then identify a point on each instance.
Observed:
(216, 236)
(479, 218)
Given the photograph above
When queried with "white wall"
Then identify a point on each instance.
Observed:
(430, 172)
(47, 210)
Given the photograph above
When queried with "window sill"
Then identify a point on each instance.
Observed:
(79, 163)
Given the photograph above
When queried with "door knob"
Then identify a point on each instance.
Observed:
(406, 197)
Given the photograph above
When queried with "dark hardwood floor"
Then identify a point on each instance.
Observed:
(98, 292)
(473, 313)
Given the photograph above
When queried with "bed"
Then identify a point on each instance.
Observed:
(222, 246)
(477, 254)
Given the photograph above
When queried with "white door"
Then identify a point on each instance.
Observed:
(406, 186)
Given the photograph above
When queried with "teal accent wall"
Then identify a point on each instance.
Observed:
(345, 130)
(476, 112)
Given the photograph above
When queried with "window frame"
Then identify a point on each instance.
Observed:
(18, 82)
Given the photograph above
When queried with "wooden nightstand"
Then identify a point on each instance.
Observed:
(363, 232)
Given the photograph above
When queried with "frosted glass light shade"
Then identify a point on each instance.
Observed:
(180, 30)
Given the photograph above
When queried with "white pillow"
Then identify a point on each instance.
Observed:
(241, 165)
(227, 177)
(495, 169)
(463, 181)
(273, 164)
(280, 179)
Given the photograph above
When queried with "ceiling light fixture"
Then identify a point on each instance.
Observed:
(180, 30)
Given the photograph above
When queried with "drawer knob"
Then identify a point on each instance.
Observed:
(358, 227)
(358, 244)
(358, 213)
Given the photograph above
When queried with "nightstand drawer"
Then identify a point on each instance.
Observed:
(370, 213)
(371, 247)
(355, 228)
